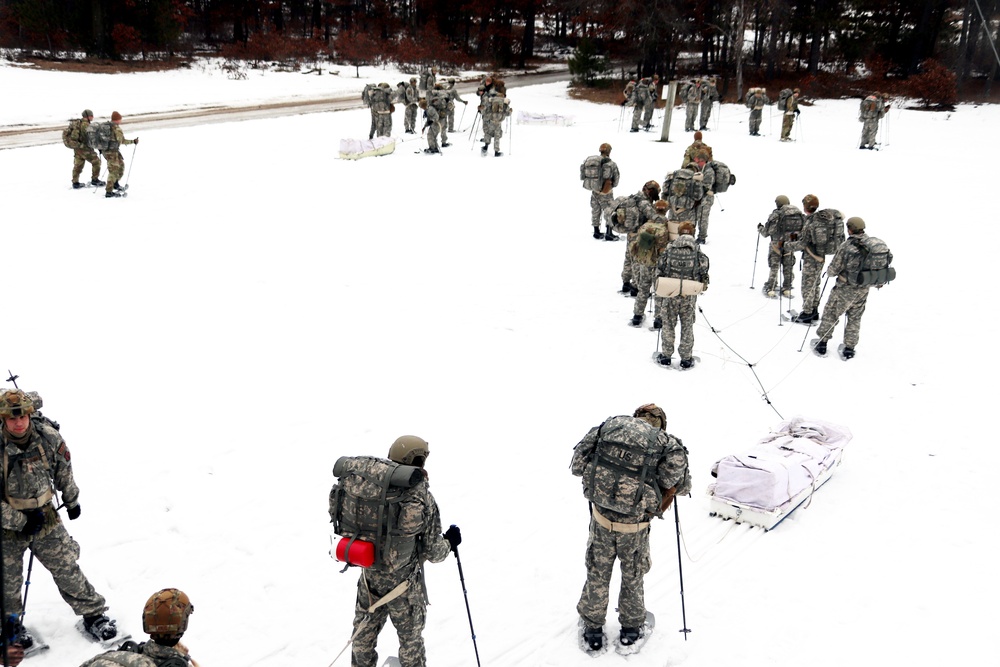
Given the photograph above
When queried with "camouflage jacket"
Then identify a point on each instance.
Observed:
(693, 150)
(419, 515)
(847, 261)
(412, 96)
(670, 470)
(32, 471)
(118, 136)
(683, 258)
(151, 655)
(756, 101)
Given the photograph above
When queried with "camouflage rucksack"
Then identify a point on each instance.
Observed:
(650, 242)
(438, 99)
(723, 176)
(783, 98)
(74, 136)
(790, 220)
(100, 136)
(591, 172)
(873, 264)
(365, 504)
(682, 189)
(827, 231)
(620, 475)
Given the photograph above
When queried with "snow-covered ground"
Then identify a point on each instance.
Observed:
(257, 308)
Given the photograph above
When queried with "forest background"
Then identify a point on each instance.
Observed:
(933, 51)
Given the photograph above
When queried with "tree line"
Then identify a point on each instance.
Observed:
(771, 37)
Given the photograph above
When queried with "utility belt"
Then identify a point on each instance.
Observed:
(614, 527)
(30, 503)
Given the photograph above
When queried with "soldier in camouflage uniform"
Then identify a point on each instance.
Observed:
(813, 259)
(778, 256)
(644, 281)
(83, 153)
(452, 94)
(411, 99)
(704, 209)
(845, 297)
(403, 584)
(755, 101)
(873, 108)
(697, 146)
(709, 96)
(621, 532)
(639, 99)
(600, 201)
(692, 98)
(647, 111)
(116, 163)
(682, 259)
(36, 465)
(495, 108)
(165, 619)
(382, 109)
(432, 123)
(638, 209)
(790, 111)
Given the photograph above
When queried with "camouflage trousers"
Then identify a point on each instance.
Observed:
(603, 548)
(371, 132)
(630, 267)
(701, 215)
(383, 124)
(449, 116)
(786, 125)
(691, 113)
(647, 112)
(116, 167)
(644, 282)
(869, 131)
(432, 135)
(57, 552)
(636, 116)
(407, 613)
(844, 298)
(410, 118)
(706, 111)
(598, 208)
(784, 260)
(671, 310)
(492, 130)
(811, 271)
(755, 115)
(82, 155)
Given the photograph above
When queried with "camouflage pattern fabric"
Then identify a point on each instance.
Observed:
(84, 153)
(791, 106)
(697, 146)
(650, 105)
(704, 208)
(693, 99)
(631, 269)
(812, 270)
(599, 208)
(153, 654)
(433, 127)
(780, 258)
(870, 117)
(410, 116)
(643, 281)
(630, 549)
(641, 98)
(710, 95)
(756, 102)
(116, 163)
(845, 298)
(673, 310)
(493, 122)
(408, 611)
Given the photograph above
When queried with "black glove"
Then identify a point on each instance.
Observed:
(760, 227)
(137, 141)
(465, 103)
(623, 103)
(73, 512)
(33, 524)
(797, 112)
(454, 536)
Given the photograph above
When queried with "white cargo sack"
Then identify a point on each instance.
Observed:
(764, 484)
(532, 118)
(353, 149)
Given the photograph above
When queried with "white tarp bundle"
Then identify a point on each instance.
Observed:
(532, 118)
(781, 465)
(352, 149)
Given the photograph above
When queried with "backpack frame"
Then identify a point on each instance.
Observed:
(630, 488)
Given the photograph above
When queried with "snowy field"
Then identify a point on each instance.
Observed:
(257, 308)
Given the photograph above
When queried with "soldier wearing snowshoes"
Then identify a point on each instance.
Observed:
(75, 137)
(600, 175)
(164, 619)
(646, 246)
(650, 106)
(821, 235)
(411, 99)
(782, 227)
(687, 266)
(790, 110)
(697, 146)
(633, 212)
(494, 108)
(704, 168)
(452, 95)
(691, 95)
(710, 95)
(36, 466)
(631, 470)
(392, 588)
(116, 163)
(432, 126)
(640, 98)
(860, 263)
(873, 108)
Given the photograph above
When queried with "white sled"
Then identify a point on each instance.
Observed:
(781, 472)
(354, 149)
(532, 118)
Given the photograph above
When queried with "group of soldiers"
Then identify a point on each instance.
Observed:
(79, 136)
(641, 97)
(37, 473)
(437, 100)
(698, 95)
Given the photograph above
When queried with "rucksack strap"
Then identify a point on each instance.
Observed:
(614, 527)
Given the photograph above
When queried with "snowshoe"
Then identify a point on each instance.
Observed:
(634, 291)
(102, 630)
(497, 153)
(30, 641)
(631, 640)
(485, 148)
(112, 193)
(96, 182)
(597, 233)
(700, 241)
(790, 316)
(846, 353)
(391, 661)
(120, 187)
(636, 320)
(805, 318)
(593, 641)
(634, 129)
(687, 363)
(663, 359)
(77, 186)
(445, 144)
(787, 293)
(626, 287)
(819, 348)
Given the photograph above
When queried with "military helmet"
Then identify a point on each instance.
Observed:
(855, 224)
(652, 413)
(413, 79)
(383, 85)
(409, 450)
(166, 613)
(15, 403)
(652, 186)
(686, 227)
(781, 200)
(811, 202)
(87, 113)
(605, 148)
(661, 205)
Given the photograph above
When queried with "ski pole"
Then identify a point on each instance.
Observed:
(462, 119)
(130, 163)
(755, 252)
(680, 570)
(465, 593)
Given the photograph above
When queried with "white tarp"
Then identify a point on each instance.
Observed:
(352, 149)
(532, 118)
(781, 465)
